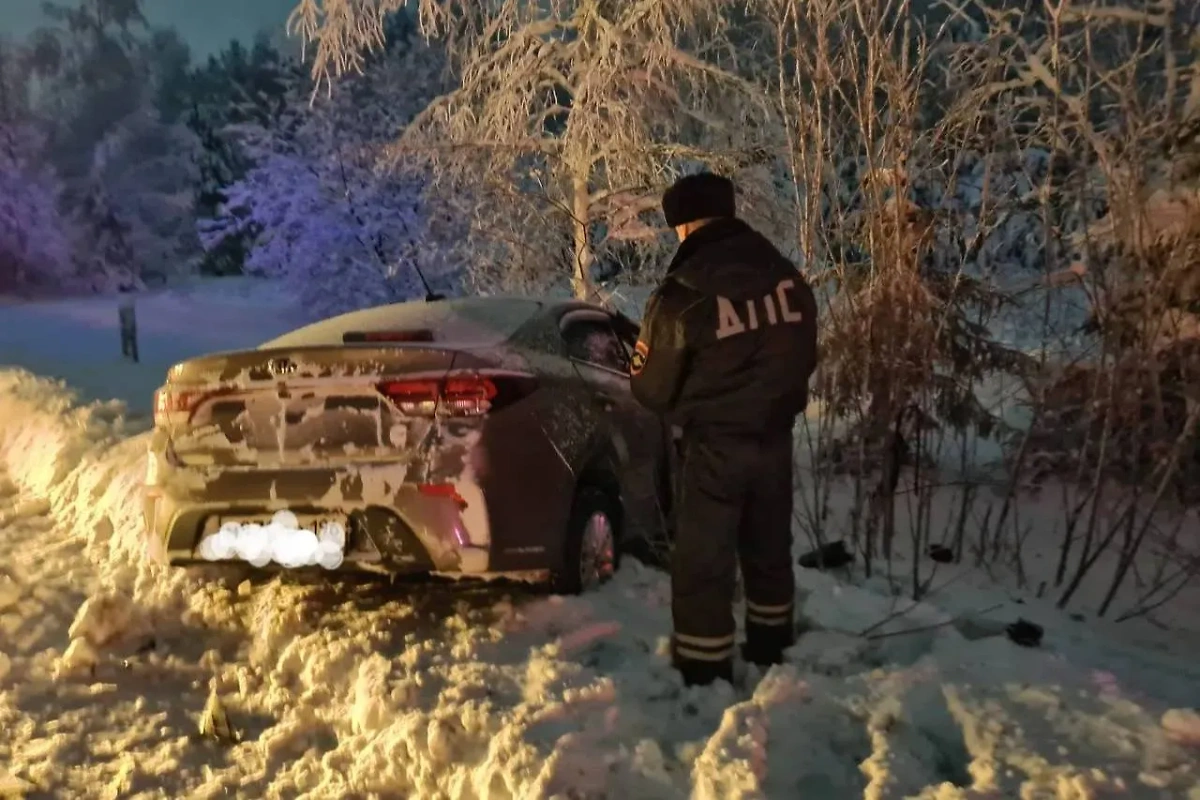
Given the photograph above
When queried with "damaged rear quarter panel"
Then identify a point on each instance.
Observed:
(530, 454)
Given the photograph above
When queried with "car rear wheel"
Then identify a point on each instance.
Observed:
(591, 553)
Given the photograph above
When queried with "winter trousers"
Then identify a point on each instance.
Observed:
(734, 504)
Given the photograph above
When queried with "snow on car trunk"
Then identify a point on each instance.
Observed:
(467, 322)
(363, 385)
(294, 406)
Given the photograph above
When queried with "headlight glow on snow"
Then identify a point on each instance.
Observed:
(281, 540)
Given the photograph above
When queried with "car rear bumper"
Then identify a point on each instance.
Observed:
(396, 528)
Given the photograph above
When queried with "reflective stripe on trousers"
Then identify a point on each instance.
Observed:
(704, 648)
(762, 614)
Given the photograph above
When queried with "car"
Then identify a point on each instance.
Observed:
(474, 437)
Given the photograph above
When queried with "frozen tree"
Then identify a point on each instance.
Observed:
(35, 239)
(105, 253)
(136, 205)
(302, 233)
(238, 86)
(568, 116)
(127, 165)
(92, 72)
(316, 207)
(148, 170)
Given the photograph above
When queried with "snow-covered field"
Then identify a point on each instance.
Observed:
(80, 341)
(376, 690)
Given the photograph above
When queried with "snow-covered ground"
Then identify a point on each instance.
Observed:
(80, 340)
(370, 690)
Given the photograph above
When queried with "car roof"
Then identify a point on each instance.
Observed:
(461, 320)
(546, 303)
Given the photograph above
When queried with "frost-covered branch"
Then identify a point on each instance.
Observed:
(318, 209)
(557, 103)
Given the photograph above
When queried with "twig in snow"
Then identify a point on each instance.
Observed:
(866, 631)
(935, 626)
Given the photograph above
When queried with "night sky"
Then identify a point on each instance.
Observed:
(207, 25)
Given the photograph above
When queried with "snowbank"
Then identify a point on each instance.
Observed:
(338, 690)
(1018, 574)
(85, 461)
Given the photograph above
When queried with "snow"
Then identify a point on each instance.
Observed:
(35, 238)
(357, 689)
(79, 340)
(461, 321)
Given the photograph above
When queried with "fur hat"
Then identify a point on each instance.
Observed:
(700, 196)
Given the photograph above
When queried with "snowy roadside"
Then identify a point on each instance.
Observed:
(344, 691)
(360, 689)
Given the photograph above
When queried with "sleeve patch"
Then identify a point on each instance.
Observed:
(640, 353)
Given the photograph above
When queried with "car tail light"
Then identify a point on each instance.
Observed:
(446, 490)
(412, 397)
(457, 396)
(173, 401)
(361, 337)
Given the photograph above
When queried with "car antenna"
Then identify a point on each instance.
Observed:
(430, 295)
(377, 246)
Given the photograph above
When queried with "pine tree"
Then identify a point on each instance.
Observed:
(235, 88)
(125, 163)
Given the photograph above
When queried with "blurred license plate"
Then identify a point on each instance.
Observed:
(284, 538)
(307, 522)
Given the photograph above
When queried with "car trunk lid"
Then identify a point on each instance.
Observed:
(325, 404)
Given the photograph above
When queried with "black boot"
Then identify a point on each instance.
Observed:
(704, 673)
(765, 643)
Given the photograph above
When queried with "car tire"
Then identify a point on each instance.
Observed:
(591, 551)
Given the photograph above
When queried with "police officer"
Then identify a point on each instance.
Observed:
(727, 346)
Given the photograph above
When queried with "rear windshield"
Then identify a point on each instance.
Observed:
(476, 321)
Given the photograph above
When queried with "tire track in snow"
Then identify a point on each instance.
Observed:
(43, 576)
(108, 731)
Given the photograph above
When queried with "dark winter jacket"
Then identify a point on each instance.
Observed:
(729, 339)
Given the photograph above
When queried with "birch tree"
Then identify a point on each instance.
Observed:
(567, 116)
